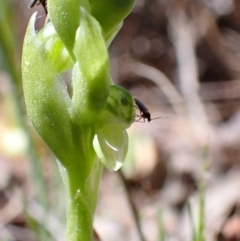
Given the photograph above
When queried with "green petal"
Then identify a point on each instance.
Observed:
(111, 145)
(119, 109)
(54, 49)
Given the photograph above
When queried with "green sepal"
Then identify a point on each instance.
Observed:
(65, 17)
(46, 96)
(110, 14)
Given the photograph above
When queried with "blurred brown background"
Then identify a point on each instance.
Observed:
(181, 58)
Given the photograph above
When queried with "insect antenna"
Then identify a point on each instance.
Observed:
(165, 117)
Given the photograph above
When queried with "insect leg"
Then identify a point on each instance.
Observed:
(140, 117)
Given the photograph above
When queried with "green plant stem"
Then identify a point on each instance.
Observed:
(82, 203)
(81, 197)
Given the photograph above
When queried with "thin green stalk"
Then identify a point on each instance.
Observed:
(201, 203)
(132, 206)
(161, 233)
(201, 199)
(9, 50)
(193, 228)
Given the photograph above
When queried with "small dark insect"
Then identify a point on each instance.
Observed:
(37, 2)
(144, 113)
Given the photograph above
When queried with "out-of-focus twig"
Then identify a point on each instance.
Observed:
(161, 80)
(218, 44)
(13, 208)
(16, 233)
(220, 91)
(51, 223)
(183, 41)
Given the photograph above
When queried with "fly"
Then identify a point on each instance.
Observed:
(144, 112)
(37, 2)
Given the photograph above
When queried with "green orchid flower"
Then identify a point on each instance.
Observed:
(87, 128)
